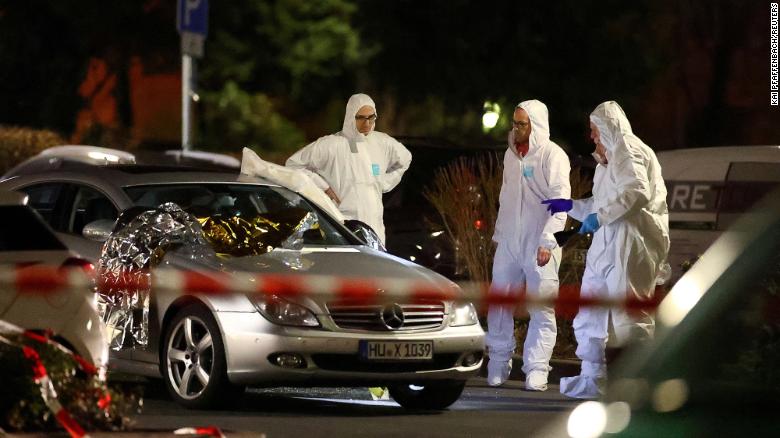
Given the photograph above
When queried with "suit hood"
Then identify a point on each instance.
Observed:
(349, 129)
(613, 127)
(540, 125)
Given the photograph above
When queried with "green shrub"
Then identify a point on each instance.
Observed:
(465, 194)
(234, 118)
(18, 144)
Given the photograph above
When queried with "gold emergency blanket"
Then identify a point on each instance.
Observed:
(239, 237)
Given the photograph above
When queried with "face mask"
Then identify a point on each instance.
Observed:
(599, 159)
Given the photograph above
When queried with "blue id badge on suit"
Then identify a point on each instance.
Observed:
(528, 171)
(375, 169)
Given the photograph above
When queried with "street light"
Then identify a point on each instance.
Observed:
(492, 111)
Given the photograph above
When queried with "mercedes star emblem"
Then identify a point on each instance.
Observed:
(392, 316)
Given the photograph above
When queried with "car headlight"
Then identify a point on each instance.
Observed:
(463, 314)
(281, 311)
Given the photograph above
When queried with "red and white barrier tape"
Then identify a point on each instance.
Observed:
(42, 279)
(41, 378)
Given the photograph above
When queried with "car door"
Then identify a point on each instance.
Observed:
(67, 208)
(49, 200)
(87, 205)
(25, 241)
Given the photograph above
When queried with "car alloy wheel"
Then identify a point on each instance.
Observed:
(193, 359)
(190, 357)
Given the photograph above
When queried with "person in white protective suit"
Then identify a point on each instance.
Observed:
(629, 220)
(356, 165)
(527, 256)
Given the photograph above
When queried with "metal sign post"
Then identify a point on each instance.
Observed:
(186, 98)
(192, 24)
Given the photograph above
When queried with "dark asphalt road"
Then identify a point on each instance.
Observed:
(482, 411)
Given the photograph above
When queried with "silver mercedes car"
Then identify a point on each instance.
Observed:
(204, 346)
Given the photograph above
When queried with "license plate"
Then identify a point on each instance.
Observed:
(396, 350)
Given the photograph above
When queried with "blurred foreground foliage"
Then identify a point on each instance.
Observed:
(22, 408)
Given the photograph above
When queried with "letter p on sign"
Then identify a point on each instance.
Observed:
(192, 16)
(190, 6)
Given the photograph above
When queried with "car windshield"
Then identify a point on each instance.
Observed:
(242, 200)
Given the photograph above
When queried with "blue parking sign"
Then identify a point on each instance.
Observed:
(193, 16)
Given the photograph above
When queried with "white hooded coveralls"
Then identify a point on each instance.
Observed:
(359, 168)
(522, 226)
(627, 251)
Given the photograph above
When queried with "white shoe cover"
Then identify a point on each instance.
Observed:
(536, 380)
(498, 372)
(584, 387)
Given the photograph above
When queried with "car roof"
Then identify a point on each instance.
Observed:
(88, 154)
(711, 164)
(125, 175)
(62, 157)
(729, 153)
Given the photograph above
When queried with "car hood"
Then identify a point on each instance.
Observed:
(338, 262)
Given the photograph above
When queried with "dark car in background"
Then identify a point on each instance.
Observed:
(414, 228)
(713, 368)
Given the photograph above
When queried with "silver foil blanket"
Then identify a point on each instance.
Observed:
(132, 251)
(124, 277)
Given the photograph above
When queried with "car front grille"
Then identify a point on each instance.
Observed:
(369, 316)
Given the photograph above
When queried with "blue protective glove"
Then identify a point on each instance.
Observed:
(590, 224)
(558, 205)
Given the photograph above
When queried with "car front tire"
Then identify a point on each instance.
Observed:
(193, 360)
(431, 396)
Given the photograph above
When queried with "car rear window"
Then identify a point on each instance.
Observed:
(24, 230)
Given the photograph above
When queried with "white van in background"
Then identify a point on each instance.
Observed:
(708, 188)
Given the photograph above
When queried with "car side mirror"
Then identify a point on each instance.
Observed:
(99, 230)
(365, 233)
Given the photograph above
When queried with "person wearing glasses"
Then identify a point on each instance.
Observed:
(527, 256)
(356, 165)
